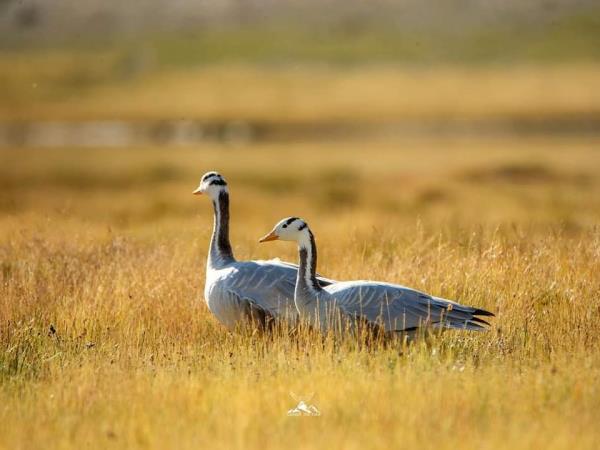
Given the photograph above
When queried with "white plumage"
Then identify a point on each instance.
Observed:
(384, 306)
(242, 291)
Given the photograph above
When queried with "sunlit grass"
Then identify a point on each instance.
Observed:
(100, 87)
(105, 340)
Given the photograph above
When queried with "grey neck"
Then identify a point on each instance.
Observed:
(220, 252)
(306, 282)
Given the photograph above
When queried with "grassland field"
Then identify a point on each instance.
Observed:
(81, 86)
(105, 341)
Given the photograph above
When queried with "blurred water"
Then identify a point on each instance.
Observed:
(54, 134)
(122, 134)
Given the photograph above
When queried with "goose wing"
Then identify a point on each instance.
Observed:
(399, 308)
(323, 281)
(250, 310)
(269, 285)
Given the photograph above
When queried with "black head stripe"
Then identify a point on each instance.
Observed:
(302, 226)
(210, 175)
(288, 221)
(218, 182)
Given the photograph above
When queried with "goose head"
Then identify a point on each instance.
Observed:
(211, 184)
(289, 229)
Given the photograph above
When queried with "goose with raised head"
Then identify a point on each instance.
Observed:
(384, 307)
(243, 291)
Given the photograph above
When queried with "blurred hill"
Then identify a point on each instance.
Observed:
(346, 30)
(70, 17)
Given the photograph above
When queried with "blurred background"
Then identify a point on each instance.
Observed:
(113, 73)
(473, 110)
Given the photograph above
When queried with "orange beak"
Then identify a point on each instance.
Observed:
(197, 191)
(269, 237)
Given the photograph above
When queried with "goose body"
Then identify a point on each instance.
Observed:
(387, 307)
(238, 292)
(243, 291)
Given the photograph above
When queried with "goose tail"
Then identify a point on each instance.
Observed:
(463, 317)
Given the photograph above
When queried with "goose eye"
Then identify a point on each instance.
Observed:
(285, 225)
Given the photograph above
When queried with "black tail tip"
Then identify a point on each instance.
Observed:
(479, 321)
(483, 312)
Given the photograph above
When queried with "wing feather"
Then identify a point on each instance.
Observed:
(399, 308)
(250, 311)
(270, 285)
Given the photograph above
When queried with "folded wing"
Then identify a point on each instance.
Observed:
(398, 308)
(269, 284)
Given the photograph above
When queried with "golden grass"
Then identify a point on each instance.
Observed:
(59, 87)
(108, 247)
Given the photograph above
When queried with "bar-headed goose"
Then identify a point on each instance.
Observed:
(381, 306)
(242, 291)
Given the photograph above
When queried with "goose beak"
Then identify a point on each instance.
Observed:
(197, 191)
(269, 237)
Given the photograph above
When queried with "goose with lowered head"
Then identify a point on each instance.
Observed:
(384, 307)
(240, 292)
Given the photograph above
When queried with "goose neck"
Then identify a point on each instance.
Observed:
(307, 270)
(220, 252)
